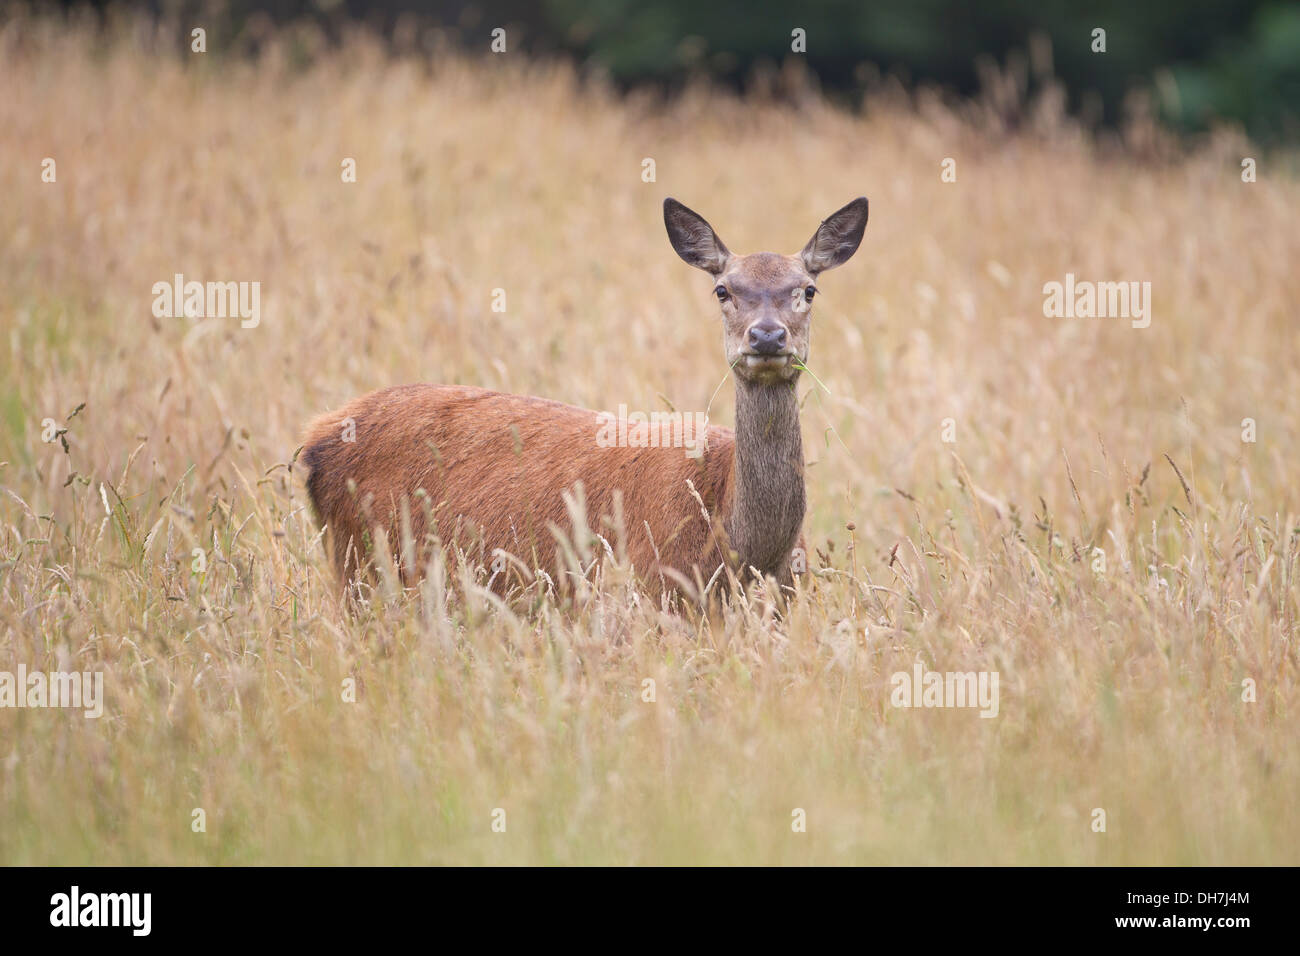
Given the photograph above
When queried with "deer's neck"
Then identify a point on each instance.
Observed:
(768, 493)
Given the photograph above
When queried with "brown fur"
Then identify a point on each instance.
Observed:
(495, 467)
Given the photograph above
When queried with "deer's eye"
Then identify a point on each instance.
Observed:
(722, 293)
(808, 294)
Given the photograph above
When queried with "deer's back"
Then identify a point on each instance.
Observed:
(495, 467)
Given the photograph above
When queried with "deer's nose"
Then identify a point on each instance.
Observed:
(767, 340)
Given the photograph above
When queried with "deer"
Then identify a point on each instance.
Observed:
(453, 463)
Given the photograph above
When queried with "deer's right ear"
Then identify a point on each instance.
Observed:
(837, 238)
(694, 239)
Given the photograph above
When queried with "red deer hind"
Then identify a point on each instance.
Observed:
(492, 469)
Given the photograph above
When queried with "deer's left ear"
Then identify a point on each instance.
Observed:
(837, 238)
(694, 239)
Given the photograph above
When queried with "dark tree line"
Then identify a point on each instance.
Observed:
(1232, 59)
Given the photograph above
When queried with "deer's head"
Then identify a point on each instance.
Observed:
(766, 298)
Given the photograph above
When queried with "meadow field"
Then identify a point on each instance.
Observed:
(1105, 515)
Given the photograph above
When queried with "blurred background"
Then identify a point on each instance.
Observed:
(1191, 63)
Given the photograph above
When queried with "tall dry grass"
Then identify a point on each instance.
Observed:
(1120, 689)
